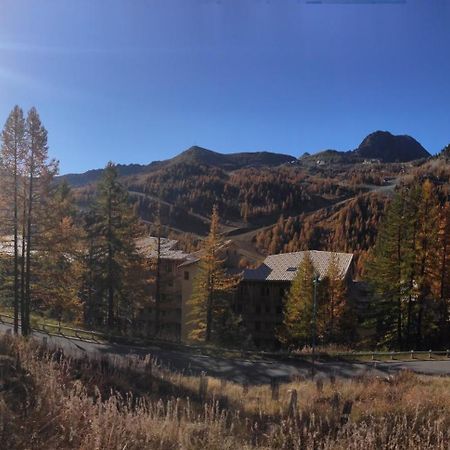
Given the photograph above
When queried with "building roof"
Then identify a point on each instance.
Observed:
(283, 267)
(196, 256)
(148, 247)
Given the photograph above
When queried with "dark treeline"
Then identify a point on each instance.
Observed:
(409, 270)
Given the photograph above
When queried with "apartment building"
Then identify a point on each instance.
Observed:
(260, 295)
(171, 276)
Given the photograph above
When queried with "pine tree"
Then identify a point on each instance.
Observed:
(210, 302)
(442, 285)
(411, 224)
(388, 273)
(111, 230)
(335, 302)
(426, 259)
(408, 269)
(12, 162)
(298, 306)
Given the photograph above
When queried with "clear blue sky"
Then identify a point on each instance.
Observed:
(142, 80)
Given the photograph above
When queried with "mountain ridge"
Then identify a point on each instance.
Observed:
(193, 155)
(379, 145)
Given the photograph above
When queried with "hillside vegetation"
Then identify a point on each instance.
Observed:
(272, 203)
(50, 401)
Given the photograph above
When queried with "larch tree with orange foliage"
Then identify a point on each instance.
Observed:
(59, 267)
(210, 303)
(335, 301)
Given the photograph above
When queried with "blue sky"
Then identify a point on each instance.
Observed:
(142, 80)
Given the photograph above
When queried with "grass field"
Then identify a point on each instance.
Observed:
(51, 402)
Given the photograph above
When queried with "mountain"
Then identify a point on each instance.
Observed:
(329, 156)
(231, 161)
(192, 156)
(387, 147)
(93, 175)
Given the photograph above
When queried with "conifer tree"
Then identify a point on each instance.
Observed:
(411, 224)
(39, 171)
(426, 258)
(388, 273)
(57, 278)
(334, 302)
(12, 163)
(442, 285)
(112, 257)
(298, 306)
(408, 269)
(210, 302)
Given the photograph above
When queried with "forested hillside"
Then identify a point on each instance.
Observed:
(271, 203)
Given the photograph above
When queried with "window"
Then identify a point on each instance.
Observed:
(258, 309)
(267, 308)
(169, 267)
(257, 326)
(186, 275)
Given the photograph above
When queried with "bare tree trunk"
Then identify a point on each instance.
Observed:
(16, 252)
(22, 266)
(209, 310)
(110, 263)
(28, 248)
(158, 283)
(399, 300)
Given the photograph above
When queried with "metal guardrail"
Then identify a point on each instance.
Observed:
(47, 327)
(412, 354)
(95, 336)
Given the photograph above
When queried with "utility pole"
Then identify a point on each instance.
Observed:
(314, 324)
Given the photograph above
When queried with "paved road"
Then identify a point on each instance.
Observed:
(244, 370)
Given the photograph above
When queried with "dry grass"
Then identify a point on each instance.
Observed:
(50, 402)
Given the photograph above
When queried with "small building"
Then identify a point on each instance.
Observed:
(260, 295)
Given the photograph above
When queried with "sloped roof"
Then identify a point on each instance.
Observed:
(283, 267)
(148, 247)
(196, 256)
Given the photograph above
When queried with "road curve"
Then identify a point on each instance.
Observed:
(256, 371)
